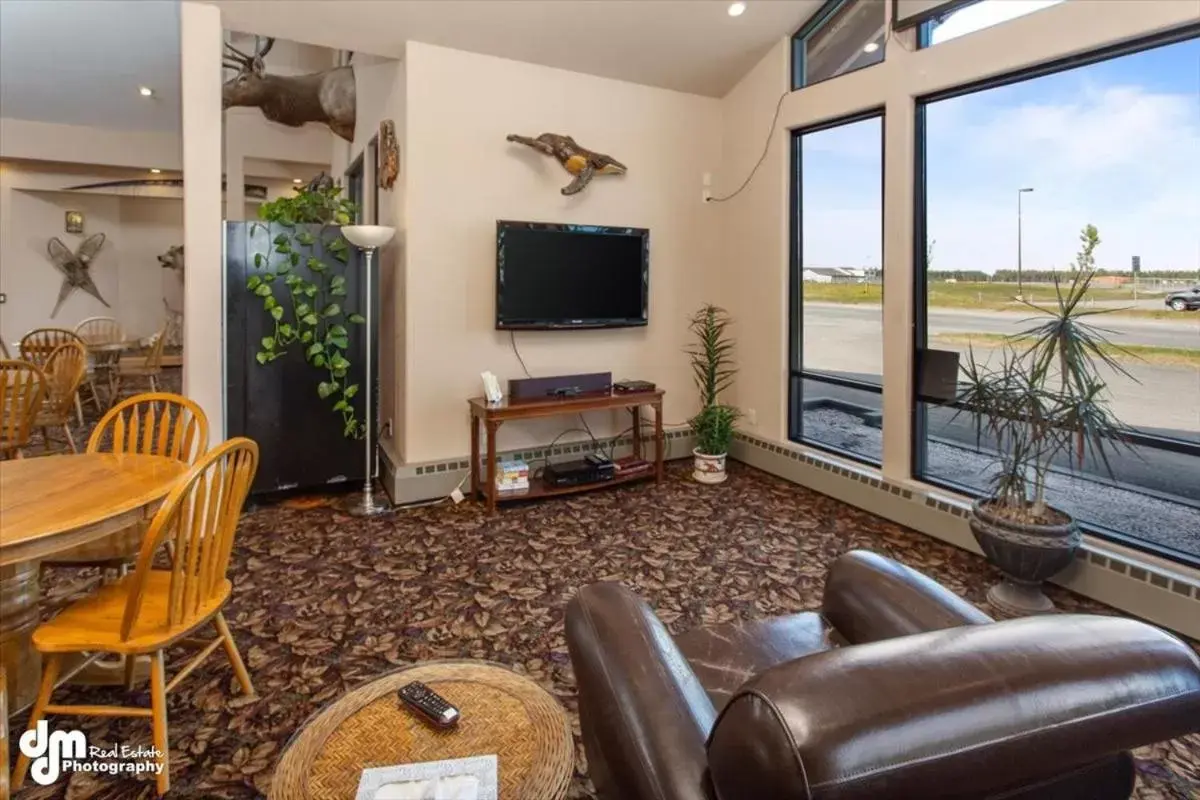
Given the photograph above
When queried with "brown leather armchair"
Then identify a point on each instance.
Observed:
(897, 690)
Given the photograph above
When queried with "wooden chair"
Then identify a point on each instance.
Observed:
(4, 351)
(3, 733)
(150, 368)
(159, 424)
(99, 331)
(22, 387)
(65, 371)
(37, 345)
(153, 609)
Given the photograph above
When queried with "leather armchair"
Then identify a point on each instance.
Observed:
(897, 689)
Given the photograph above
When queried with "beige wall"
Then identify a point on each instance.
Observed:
(126, 270)
(461, 176)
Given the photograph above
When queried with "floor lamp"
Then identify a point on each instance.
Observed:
(369, 238)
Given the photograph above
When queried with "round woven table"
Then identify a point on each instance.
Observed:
(503, 713)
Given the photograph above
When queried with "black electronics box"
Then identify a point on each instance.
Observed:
(576, 473)
(633, 387)
(526, 389)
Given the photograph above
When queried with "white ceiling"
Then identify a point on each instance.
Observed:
(688, 45)
(80, 62)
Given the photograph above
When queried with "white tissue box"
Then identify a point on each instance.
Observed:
(457, 779)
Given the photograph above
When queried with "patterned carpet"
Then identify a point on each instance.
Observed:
(323, 602)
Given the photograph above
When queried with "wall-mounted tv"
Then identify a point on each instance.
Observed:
(571, 276)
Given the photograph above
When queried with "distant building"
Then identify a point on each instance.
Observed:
(834, 275)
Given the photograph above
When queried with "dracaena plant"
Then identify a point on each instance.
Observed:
(1042, 397)
(309, 311)
(713, 370)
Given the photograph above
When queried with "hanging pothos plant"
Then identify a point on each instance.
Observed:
(309, 312)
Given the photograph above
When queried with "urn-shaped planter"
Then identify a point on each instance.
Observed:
(708, 469)
(1027, 554)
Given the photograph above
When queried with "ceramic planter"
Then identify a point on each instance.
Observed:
(708, 469)
(1026, 554)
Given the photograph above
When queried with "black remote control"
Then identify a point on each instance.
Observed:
(431, 705)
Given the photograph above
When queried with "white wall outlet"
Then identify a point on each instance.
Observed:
(751, 417)
(706, 179)
(706, 182)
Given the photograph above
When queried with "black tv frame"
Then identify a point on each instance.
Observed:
(503, 225)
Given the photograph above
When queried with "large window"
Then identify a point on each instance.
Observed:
(975, 17)
(844, 35)
(837, 288)
(1012, 173)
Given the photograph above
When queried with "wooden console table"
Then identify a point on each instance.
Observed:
(493, 416)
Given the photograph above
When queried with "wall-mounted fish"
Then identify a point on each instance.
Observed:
(74, 268)
(577, 160)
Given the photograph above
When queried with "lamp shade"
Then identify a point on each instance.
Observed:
(368, 236)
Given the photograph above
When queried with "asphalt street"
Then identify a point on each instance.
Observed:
(1161, 398)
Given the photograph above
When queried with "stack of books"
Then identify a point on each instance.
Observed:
(512, 476)
(631, 466)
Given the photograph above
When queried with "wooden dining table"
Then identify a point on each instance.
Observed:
(52, 504)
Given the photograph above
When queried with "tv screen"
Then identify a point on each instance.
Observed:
(571, 276)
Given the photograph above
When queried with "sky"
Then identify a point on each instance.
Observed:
(1115, 144)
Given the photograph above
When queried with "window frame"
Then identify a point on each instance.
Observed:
(796, 374)
(920, 283)
(811, 27)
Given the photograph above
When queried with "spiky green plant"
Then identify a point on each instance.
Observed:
(713, 370)
(1045, 397)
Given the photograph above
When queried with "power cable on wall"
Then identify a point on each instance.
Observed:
(512, 338)
(761, 159)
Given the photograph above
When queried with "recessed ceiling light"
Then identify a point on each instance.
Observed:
(145, 91)
(737, 9)
(870, 47)
(297, 180)
(155, 170)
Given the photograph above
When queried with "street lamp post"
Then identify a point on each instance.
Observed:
(1020, 279)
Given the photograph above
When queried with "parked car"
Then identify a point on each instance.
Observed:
(1187, 300)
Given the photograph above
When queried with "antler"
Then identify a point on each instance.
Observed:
(236, 59)
(263, 52)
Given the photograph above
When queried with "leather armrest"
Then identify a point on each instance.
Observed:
(869, 598)
(644, 715)
(979, 709)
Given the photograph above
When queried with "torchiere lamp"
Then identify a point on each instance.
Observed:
(369, 238)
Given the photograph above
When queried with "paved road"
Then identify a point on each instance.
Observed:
(1126, 330)
(847, 338)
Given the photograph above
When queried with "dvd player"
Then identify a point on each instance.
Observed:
(576, 473)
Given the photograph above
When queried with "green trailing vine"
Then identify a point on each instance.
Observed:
(309, 311)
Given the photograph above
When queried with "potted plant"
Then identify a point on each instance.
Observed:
(713, 370)
(1039, 400)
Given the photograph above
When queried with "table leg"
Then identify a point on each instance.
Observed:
(490, 489)
(20, 591)
(658, 442)
(636, 413)
(474, 456)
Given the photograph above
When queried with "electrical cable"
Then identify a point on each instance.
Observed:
(438, 501)
(512, 338)
(761, 159)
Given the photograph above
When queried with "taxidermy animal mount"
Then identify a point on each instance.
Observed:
(173, 259)
(74, 268)
(326, 96)
(579, 161)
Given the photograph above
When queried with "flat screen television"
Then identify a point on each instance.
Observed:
(551, 276)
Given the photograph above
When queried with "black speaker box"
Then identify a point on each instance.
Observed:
(527, 389)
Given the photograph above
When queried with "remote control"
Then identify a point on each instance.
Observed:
(431, 705)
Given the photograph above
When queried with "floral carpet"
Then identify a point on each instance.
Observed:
(323, 602)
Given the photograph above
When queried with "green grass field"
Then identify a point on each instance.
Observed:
(1161, 356)
(989, 296)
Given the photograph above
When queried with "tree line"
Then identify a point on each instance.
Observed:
(1043, 275)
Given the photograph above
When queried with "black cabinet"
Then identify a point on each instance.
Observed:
(300, 436)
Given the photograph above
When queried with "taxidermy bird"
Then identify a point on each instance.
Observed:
(579, 161)
(74, 267)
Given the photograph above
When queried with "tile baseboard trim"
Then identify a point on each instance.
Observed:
(1157, 590)
(430, 480)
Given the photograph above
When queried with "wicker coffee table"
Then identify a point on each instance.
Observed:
(503, 713)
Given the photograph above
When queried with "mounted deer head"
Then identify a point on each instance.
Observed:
(327, 96)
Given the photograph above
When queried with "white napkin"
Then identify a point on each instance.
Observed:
(454, 787)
